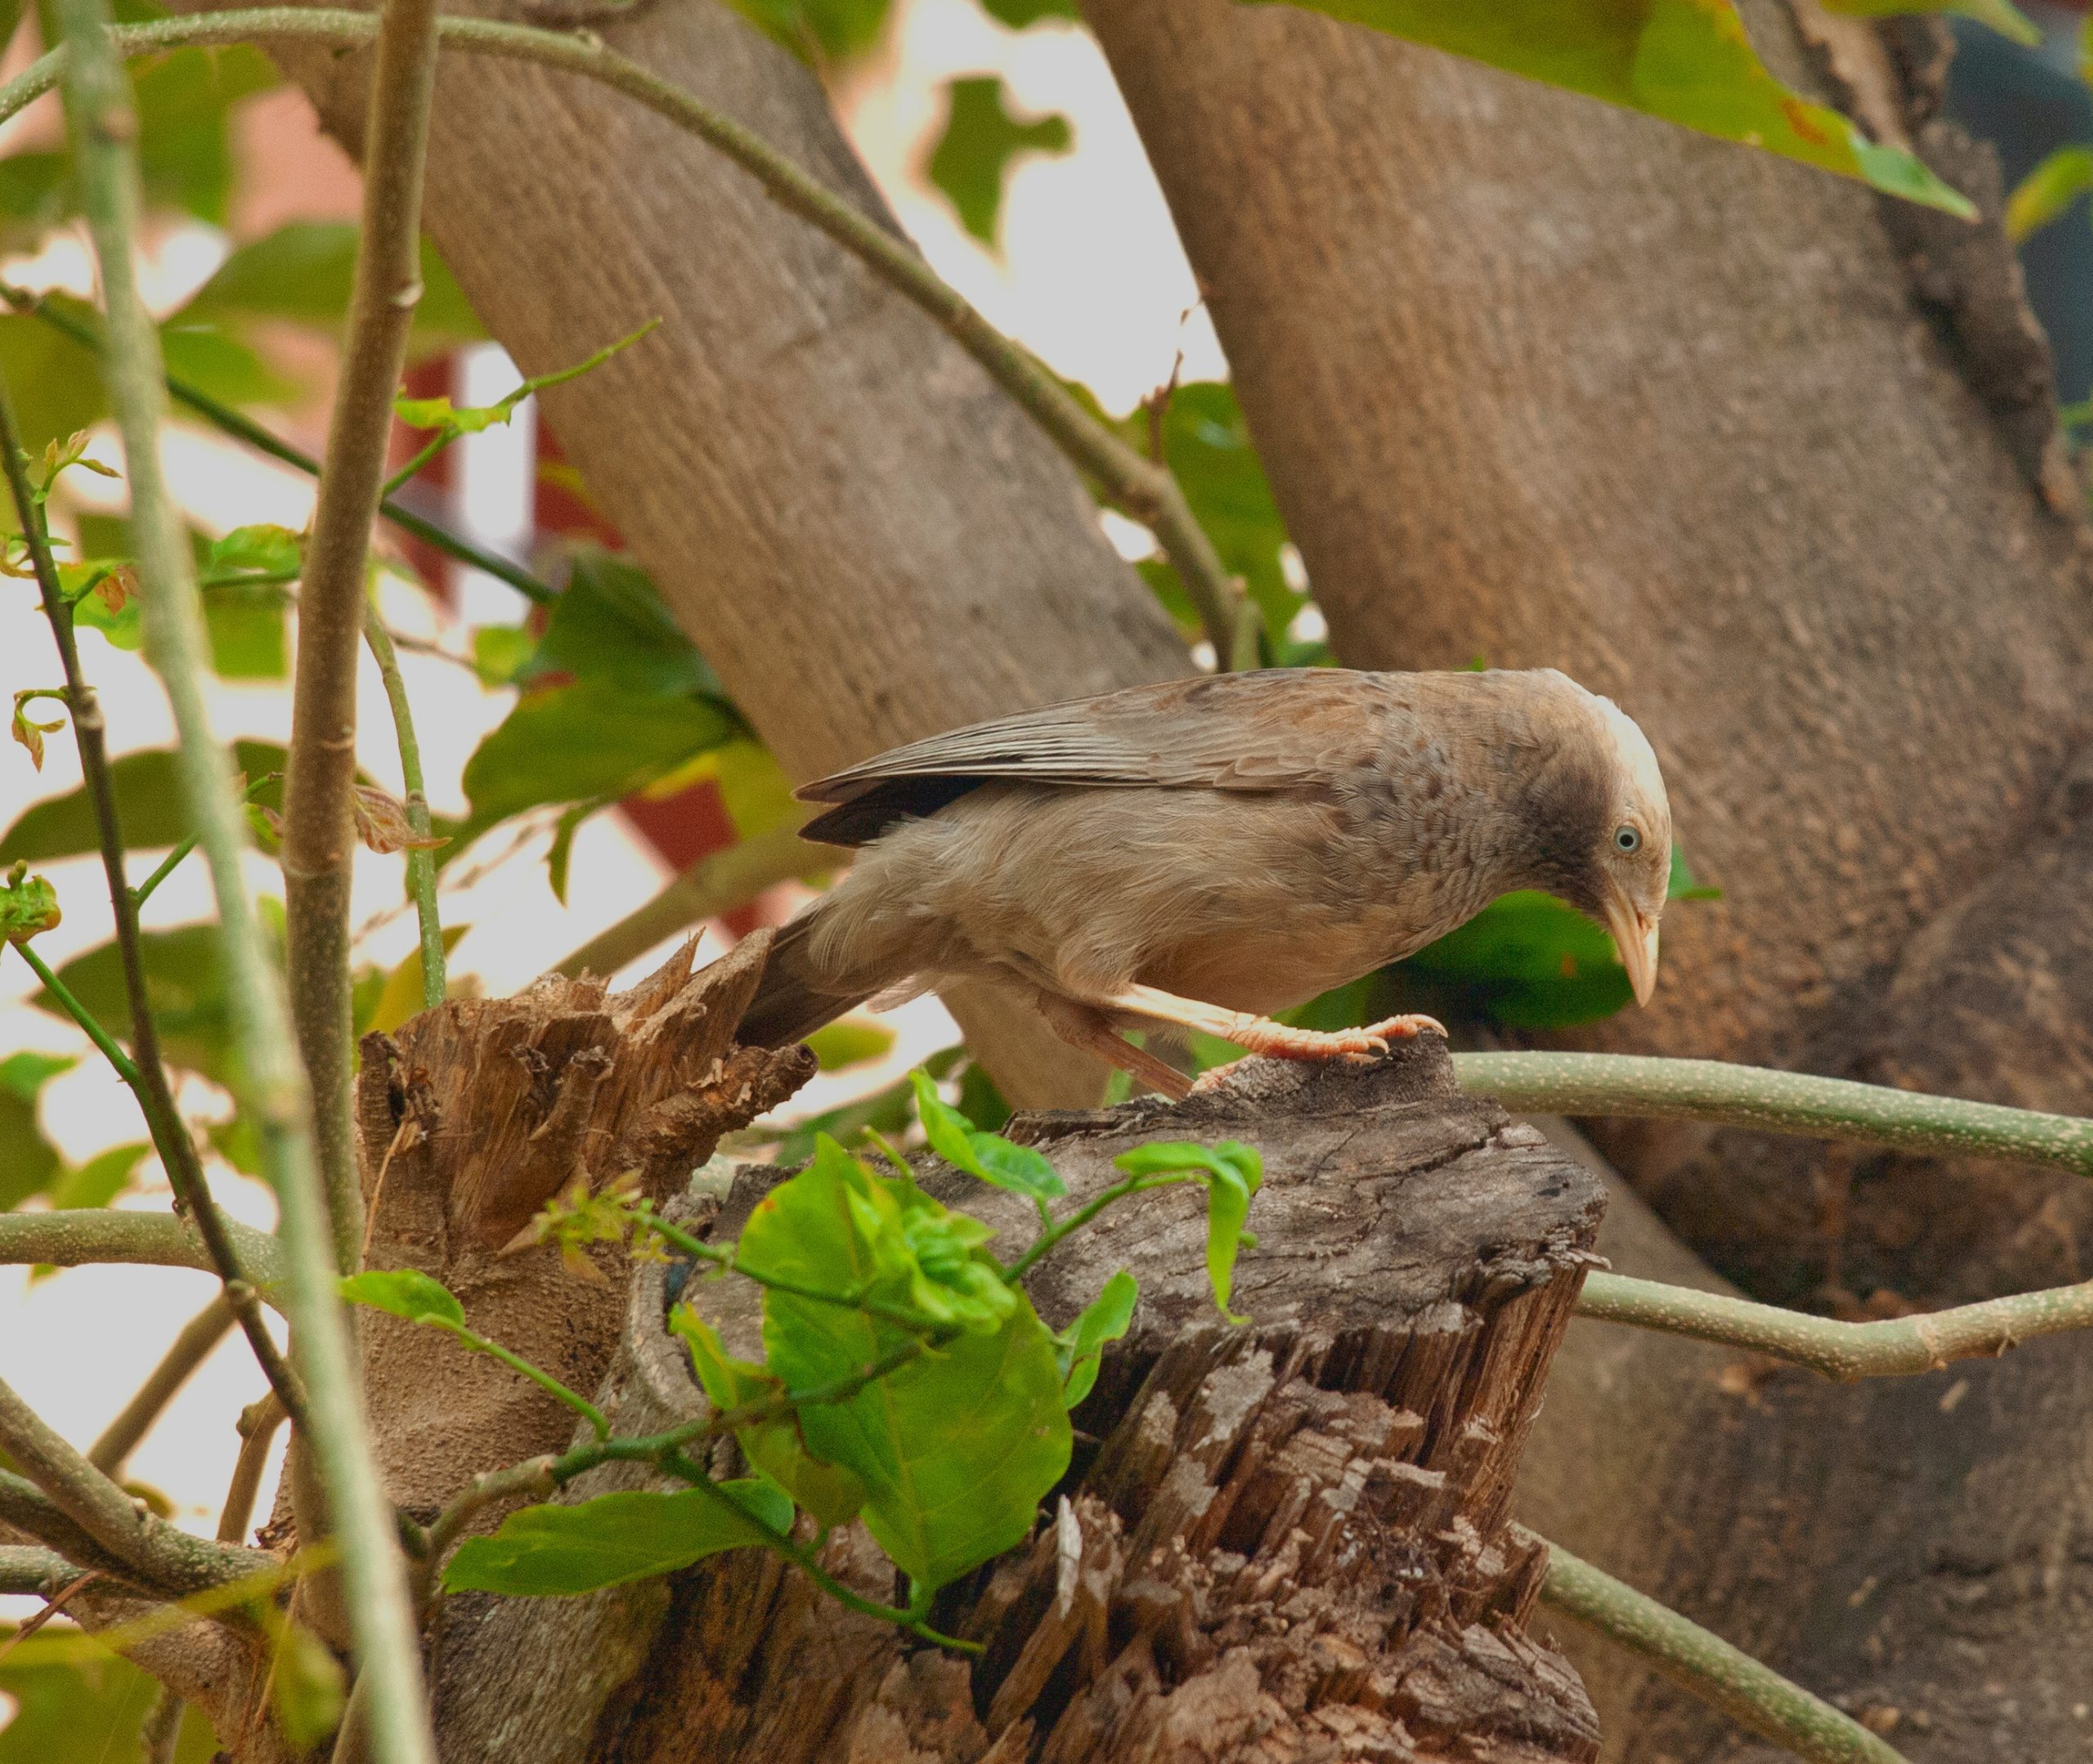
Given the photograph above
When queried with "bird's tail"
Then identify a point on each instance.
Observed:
(788, 1006)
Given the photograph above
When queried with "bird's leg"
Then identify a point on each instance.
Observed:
(1082, 1027)
(1261, 1034)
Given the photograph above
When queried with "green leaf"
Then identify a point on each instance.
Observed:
(406, 1293)
(224, 368)
(87, 1712)
(956, 1449)
(149, 802)
(30, 1163)
(1526, 961)
(307, 1687)
(54, 383)
(1080, 1347)
(28, 905)
(2002, 16)
(829, 1491)
(1233, 1172)
(1682, 885)
(246, 626)
(574, 742)
(614, 1538)
(399, 995)
(474, 419)
(887, 1111)
(832, 30)
(611, 626)
(1228, 1207)
(500, 653)
(185, 142)
(184, 984)
(301, 273)
(1020, 14)
(988, 1157)
(101, 1179)
(971, 161)
(2045, 192)
(1687, 61)
(850, 1041)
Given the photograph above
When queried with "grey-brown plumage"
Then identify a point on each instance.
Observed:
(1207, 851)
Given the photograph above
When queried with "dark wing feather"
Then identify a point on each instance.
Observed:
(1278, 729)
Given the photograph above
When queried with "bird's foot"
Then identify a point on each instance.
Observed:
(1278, 1040)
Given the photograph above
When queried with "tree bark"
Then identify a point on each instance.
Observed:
(1767, 458)
(860, 531)
(1282, 1539)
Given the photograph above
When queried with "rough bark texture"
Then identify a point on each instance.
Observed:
(864, 534)
(1770, 459)
(1286, 1542)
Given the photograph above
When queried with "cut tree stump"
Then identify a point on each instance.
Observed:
(1283, 1541)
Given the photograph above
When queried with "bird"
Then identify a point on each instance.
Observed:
(1205, 853)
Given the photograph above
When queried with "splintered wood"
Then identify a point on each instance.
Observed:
(1283, 1542)
(469, 1120)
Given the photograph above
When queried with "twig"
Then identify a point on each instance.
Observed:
(152, 1550)
(104, 128)
(191, 1349)
(53, 1606)
(161, 1738)
(712, 885)
(76, 1238)
(1137, 486)
(244, 428)
(1754, 1696)
(1890, 1348)
(143, 1071)
(318, 840)
(1775, 1102)
(421, 860)
(259, 1422)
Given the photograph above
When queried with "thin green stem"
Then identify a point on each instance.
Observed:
(1777, 1101)
(127, 1068)
(244, 428)
(104, 128)
(1141, 487)
(413, 467)
(698, 1250)
(1754, 1696)
(1888, 1348)
(421, 861)
(1044, 1243)
(170, 863)
(598, 1424)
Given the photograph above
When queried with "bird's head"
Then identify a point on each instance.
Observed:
(1607, 825)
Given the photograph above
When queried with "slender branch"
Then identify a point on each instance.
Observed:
(55, 1603)
(1777, 1101)
(143, 1071)
(319, 843)
(244, 428)
(598, 1423)
(173, 861)
(1890, 1348)
(902, 1316)
(712, 885)
(421, 861)
(191, 1349)
(259, 1422)
(161, 1554)
(26, 1569)
(1754, 1696)
(104, 128)
(1141, 487)
(74, 1238)
(160, 1738)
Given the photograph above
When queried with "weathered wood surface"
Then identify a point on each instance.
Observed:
(1283, 1541)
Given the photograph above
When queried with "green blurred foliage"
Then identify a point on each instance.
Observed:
(149, 804)
(30, 1163)
(981, 141)
(88, 1713)
(1687, 61)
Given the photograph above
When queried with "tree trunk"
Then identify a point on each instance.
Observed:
(1769, 458)
(862, 533)
(1283, 1539)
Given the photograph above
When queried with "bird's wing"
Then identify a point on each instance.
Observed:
(1277, 729)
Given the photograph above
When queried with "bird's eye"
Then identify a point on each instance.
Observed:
(1627, 839)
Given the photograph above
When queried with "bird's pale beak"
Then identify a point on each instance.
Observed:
(1636, 937)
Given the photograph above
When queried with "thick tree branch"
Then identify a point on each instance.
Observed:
(319, 838)
(1754, 1696)
(74, 1238)
(1139, 486)
(1775, 1102)
(190, 1350)
(103, 127)
(26, 1569)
